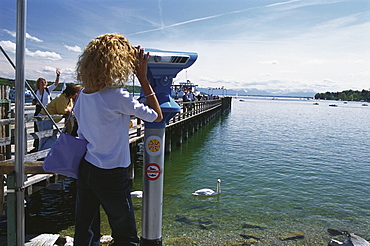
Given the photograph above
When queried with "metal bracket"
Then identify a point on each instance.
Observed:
(17, 189)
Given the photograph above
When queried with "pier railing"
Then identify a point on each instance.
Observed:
(33, 161)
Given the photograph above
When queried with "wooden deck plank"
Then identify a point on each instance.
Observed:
(34, 179)
(43, 240)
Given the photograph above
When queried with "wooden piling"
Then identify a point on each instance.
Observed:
(168, 143)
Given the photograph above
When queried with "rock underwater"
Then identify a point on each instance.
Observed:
(350, 240)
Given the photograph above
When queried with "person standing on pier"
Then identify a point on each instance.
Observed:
(43, 92)
(103, 112)
(61, 104)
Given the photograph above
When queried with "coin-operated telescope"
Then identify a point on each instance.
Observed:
(163, 66)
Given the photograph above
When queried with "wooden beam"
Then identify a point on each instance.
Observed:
(30, 167)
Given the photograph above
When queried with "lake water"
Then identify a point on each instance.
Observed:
(285, 165)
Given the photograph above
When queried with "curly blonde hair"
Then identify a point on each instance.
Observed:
(107, 60)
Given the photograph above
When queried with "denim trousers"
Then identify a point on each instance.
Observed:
(109, 188)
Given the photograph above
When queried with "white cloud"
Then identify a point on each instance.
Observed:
(33, 38)
(8, 46)
(44, 55)
(73, 48)
(272, 62)
(11, 47)
(315, 62)
(359, 61)
(69, 71)
(282, 3)
(48, 69)
(14, 34)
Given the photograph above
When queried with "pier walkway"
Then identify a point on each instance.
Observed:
(192, 116)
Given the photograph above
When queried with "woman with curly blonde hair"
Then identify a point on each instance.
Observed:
(103, 111)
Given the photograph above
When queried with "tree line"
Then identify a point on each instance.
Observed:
(348, 95)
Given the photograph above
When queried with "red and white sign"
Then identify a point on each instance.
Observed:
(152, 171)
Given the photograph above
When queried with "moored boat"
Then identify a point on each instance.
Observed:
(178, 90)
(27, 94)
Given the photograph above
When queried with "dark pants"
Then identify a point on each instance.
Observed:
(36, 141)
(111, 189)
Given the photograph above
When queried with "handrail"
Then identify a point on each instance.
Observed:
(188, 110)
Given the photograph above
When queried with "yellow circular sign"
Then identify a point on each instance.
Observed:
(153, 145)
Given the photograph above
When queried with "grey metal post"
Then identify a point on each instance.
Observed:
(11, 213)
(162, 68)
(19, 121)
(154, 145)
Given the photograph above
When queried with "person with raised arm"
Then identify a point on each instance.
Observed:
(43, 93)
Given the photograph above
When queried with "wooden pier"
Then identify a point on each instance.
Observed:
(193, 115)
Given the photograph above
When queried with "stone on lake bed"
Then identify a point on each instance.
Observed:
(180, 241)
(253, 226)
(350, 239)
(184, 219)
(292, 235)
(248, 242)
(250, 235)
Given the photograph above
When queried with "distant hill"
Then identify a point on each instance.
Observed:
(8, 82)
(256, 92)
(348, 95)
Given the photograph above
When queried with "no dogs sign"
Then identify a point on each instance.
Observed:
(152, 171)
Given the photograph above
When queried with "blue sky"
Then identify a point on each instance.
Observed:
(299, 45)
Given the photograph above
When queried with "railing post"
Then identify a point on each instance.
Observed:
(138, 125)
(183, 110)
(5, 151)
(2, 194)
(11, 214)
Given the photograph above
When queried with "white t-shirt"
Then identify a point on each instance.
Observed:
(103, 120)
(45, 99)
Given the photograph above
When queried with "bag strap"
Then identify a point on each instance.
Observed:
(70, 114)
(47, 90)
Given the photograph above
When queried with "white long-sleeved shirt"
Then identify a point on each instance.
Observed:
(103, 120)
(46, 98)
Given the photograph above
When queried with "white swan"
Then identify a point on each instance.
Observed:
(137, 194)
(209, 192)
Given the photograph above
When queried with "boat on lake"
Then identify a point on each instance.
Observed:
(178, 90)
(27, 94)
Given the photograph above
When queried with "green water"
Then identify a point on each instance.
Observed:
(285, 166)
